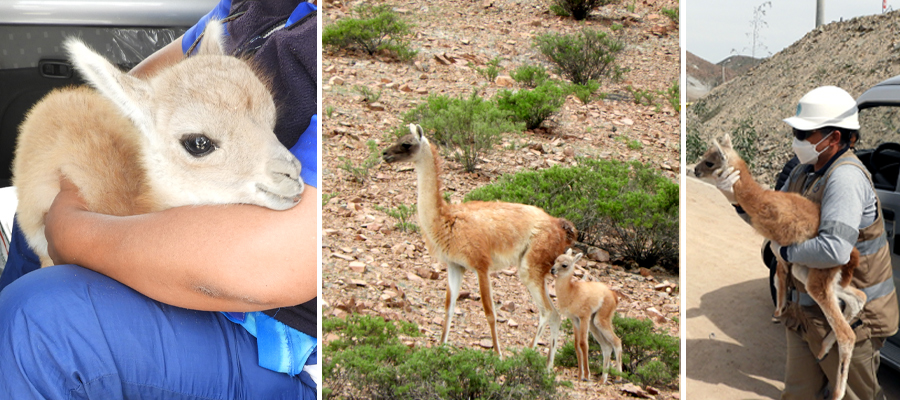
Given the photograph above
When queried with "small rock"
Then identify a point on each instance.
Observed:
(655, 315)
(645, 272)
(536, 23)
(357, 266)
(358, 282)
(509, 272)
(336, 80)
(505, 81)
(569, 152)
(421, 91)
(405, 88)
(414, 278)
(486, 343)
(512, 323)
(598, 254)
(391, 86)
(441, 59)
(508, 306)
(376, 106)
(437, 320)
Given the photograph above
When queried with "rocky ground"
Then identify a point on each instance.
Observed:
(371, 267)
(853, 54)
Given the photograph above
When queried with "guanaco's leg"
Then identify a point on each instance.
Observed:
(781, 291)
(454, 281)
(484, 283)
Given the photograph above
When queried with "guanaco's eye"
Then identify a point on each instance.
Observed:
(709, 164)
(198, 145)
(407, 145)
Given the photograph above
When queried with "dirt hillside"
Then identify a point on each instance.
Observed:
(853, 54)
(371, 267)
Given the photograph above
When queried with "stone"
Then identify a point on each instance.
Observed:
(357, 266)
(505, 81)
(336, 81)
(376, 106)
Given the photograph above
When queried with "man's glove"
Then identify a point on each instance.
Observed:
(725, 179)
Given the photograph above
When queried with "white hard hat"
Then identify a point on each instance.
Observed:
(825, 106)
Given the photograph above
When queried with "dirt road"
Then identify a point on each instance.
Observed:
(734, 351)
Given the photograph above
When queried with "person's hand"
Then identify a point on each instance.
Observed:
(67, 202)
(725, 179)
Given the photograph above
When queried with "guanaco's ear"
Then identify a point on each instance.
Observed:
(726, 142)
(128, 93)
(577, 257)
(569, 252)
(420, 131)
(213, 42)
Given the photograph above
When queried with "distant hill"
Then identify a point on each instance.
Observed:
(703, 76)
(854, 54)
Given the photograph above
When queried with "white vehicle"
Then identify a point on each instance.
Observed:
(879, 117)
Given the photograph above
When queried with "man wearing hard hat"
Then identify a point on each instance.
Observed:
(833, 177)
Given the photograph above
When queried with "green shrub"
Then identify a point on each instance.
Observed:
(642, 97)
(584, 92)
(587, 56)
(532, 106)
(673, 95)
(626, 208)
(694, 146)
(530, 75)
(369, 95)
(370, 361)
(744, 138)
(579, 9)
(558, 11)
(375, 28)
(615, 27)
(672, 13)
(470, 125)
(649, 357)
(402, 213)
(360, 172)
(489, 72)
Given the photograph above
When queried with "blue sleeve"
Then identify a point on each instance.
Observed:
(306, 150)
(221, 11)
(22, 259)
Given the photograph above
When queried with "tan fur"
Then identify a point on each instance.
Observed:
(121, 142)
(484, 237)
(590, 306)
(789, 218)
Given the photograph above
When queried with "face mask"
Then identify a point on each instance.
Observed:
(806, 151)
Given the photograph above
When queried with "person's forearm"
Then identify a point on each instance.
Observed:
(222, 258)
(168, 55)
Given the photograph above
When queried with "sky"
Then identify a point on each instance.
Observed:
(715, 30)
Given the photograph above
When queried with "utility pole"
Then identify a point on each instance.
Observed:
(820, 12)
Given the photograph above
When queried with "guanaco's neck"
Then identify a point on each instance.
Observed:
(430, 202)
(746, 189)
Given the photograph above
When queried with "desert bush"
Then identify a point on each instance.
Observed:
(694, 146)
(490, 71)
(530, 75)
(673, 95)
(532, 106)
(359, 172)
(626, 208)
(585, 91)
(579, 9)
(641, 97)
(375, 28)
(649, 357)
(472, 126)
(370, 361)
(672, 13)
(590, 55)
(369, 95)
(401, 213)
(744, 140)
